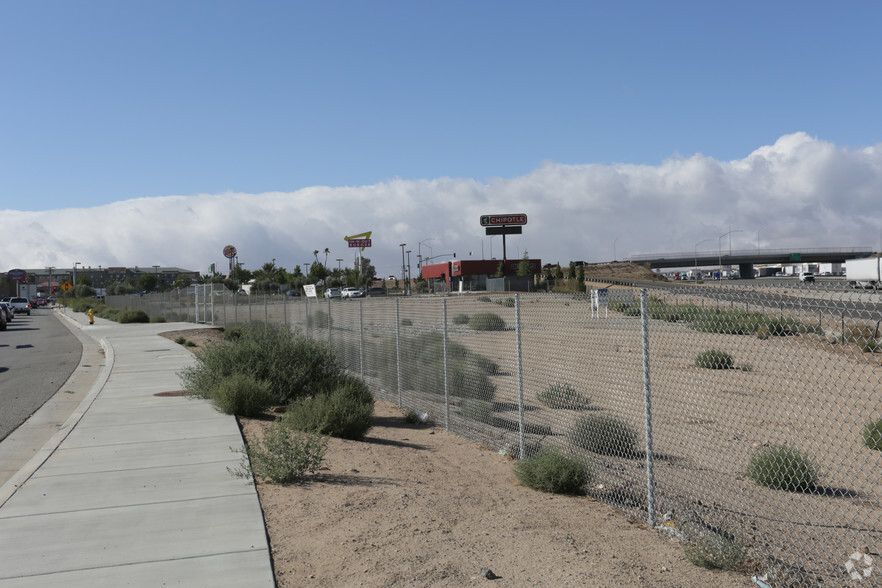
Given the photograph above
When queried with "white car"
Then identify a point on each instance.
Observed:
(352, 293)
(21, 305)
(332, 293)
(808, 277)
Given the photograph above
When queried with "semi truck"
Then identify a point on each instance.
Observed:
(864, 273)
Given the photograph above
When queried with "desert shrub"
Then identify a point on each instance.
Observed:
(180, 339)
(461, 319)
(290, 364)
(562, 395)
(484, 299)
(552, 471)
(232, 333)
(282, 456)
(406, 322)
(468, 372)
(476, 410)
(343, 408)
(720, 549)
(782, 468)
(869, 345)
(109, 312)
(157, 319)
(133, 316)
(508, 302)
(714, 359)
(872, 435)
(486, 321)
(604, 434)
(241, 395)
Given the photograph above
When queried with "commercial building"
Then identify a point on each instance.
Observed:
(471, 273)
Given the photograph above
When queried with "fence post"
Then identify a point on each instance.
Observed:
(306, 311)
(398, 347)
(196, 302)
(285, 309)
(329, 325)
(446, 383)
(647, 411)
(521, 427)
(361, 337)
(265, 309)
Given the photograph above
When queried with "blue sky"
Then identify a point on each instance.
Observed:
(104, 102)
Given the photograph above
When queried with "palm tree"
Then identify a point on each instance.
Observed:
(327, 252)
(315, 253)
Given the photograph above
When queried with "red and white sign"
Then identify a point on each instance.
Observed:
(495, 220)
(359, 242)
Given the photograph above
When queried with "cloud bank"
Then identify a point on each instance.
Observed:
(800, 192)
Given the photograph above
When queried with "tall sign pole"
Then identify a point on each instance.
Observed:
(503, 224)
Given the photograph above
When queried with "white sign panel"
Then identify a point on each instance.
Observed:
(310, 290)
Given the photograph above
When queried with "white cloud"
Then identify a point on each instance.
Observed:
(798, 192)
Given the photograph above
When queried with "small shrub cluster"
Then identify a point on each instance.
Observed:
(291, 365)
(486, 321)
(484, 299)
(343, 408)
(552, 471)
(872, 435)
(563, 395)
(714, 359)
(721, 549)
(242, 395)
(781, 467)
(605, 435)
(133, 316)
(282, 456)
(508, 302)
(460, 319)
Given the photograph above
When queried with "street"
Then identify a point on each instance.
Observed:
(37, 355)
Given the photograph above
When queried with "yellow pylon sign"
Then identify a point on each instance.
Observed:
(361, 240)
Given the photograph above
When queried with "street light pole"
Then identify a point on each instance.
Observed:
(695, 269)
(720, 245)
(403, 276)
(76, 263)
(409, 276)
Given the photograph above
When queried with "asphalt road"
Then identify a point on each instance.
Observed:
(37, 356)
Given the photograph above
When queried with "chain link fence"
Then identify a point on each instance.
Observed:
(746, 420)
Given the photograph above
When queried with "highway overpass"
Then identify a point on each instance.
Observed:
(747, 259)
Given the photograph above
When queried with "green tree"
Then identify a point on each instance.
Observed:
(524, 266)
(580, 283)
(147, 282)
(558, 272)
(500, 270)
(571, 273)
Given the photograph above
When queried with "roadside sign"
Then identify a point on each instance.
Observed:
(359, 242)
(16, 274)
(504, 230)
(310, 290)
(66, 287)
(230, 252)
(495, 220)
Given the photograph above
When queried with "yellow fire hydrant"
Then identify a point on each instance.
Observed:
(91, 314)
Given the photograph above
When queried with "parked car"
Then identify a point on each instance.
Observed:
(21, 305)
(351, 292)
(807, 277)
(332, 293)
(377, 291)
(292, 293)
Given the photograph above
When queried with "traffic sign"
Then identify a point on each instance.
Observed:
(495, 220)
(66, 287)
(504, 230)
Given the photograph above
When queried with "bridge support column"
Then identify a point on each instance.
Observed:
(745, 271)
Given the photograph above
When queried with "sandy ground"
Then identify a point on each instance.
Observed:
(413, 505)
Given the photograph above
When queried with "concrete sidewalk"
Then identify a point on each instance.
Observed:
(133, 489)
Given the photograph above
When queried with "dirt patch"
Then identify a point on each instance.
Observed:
(417, 506)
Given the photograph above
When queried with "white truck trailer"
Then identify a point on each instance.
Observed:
(864, 273)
